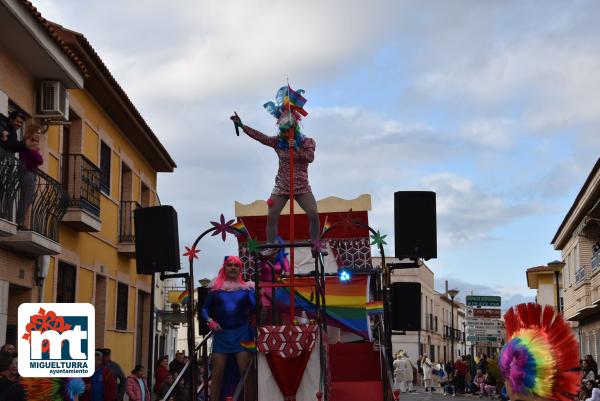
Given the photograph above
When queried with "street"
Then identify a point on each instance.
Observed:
(421, 395)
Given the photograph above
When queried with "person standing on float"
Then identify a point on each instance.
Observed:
(227, 309)
(304, 154)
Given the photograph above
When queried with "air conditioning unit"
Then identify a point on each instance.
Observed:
(52, 101)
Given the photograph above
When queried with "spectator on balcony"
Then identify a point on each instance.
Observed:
(31, 159)
(596, 247)
(9, 140)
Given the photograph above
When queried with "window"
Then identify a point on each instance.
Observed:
(105, 154)
(122, 301)
(65, 283)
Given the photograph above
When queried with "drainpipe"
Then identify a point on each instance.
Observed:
(42, 263)
(558, 307)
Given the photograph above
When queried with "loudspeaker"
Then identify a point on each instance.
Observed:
(156, 239)
(406, 306)
(415, 224)
(202, 325)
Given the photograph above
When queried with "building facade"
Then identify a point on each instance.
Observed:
(29, 54)
(577, 238)
(102, 162)
(547, 281)
(435, 337)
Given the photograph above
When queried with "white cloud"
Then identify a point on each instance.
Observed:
(450, 88)
(467, 213)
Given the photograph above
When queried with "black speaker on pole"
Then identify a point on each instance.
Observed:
(156, 239)
(415, 224)
(406, 306)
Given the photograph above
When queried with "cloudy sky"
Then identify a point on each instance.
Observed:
(494, 105)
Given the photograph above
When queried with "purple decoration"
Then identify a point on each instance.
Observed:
(223, 227)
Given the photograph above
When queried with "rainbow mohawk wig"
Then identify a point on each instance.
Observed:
(541, 355)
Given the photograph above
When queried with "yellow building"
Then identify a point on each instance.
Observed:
(547, 281)
(29, 55)
(106, 160)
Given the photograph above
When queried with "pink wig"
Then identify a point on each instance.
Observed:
(220, 280)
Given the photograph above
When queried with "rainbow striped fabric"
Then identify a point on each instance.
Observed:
(326, 225)
(346, 302)
(375, 308)
(184, 297)
(249, 345)
(240, 226)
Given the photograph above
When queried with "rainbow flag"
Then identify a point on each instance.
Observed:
(375, 308)
(346, 302)
(249, 345)
(295, 97)
(326, 225)
(184, 297)
(294, 100)
(240, 226)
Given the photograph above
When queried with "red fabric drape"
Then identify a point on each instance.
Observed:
(288, 372)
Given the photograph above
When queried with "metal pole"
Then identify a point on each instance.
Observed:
(452, 337)
(151, 355)
(465, 338)
(192, 332)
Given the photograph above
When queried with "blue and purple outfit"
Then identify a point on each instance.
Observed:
(231, 309)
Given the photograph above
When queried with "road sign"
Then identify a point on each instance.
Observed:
(483, 300)
(482, 339)
(486, 313)
(484, 333)
(484, 323)
(483, 313)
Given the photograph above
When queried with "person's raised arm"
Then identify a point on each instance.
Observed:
(266, 140)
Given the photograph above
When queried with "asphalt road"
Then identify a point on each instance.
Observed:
(421, 395)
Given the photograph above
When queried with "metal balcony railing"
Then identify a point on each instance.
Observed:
(81, 179)
(31, 198)
(126, 226)
(9, 184)
(41, 203)
(595, 261)
(580, 275)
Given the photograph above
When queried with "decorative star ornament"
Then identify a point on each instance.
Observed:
(252, 245)
(191, 253)
(378, 239)
(223, 227)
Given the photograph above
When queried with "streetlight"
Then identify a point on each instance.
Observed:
(452, 294)
(464, 337)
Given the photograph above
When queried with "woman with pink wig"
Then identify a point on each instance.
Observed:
(227, 310)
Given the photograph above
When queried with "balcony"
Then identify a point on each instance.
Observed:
(81, 179)
(173, 311)
(33, 202)
(126, 228)
(9, 189)
(580, 275)
(595, 261)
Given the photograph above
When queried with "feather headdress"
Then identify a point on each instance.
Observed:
(540, 357)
